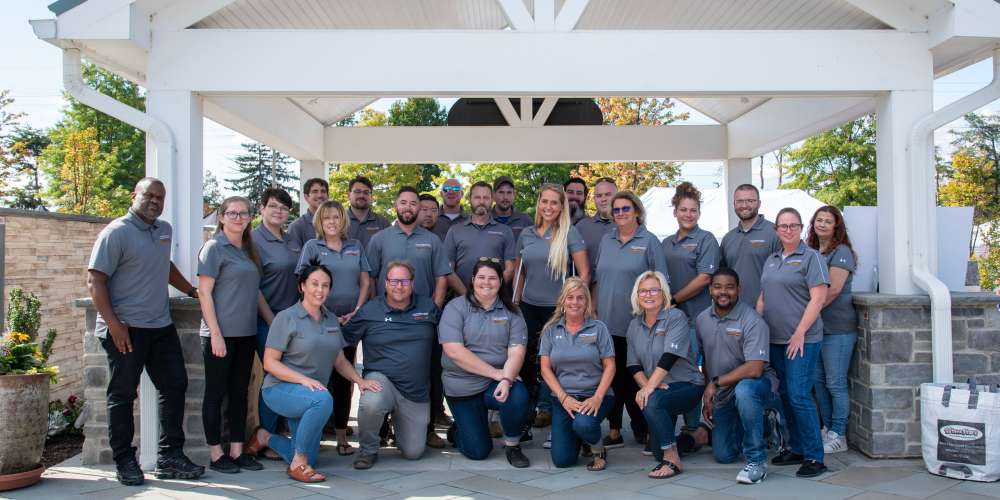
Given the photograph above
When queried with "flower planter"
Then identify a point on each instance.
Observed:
(24, 401)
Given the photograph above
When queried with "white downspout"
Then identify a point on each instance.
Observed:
(923, 250)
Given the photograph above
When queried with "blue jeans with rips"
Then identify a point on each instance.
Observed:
(662, 406)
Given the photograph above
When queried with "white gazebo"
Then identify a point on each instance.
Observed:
(770, 72)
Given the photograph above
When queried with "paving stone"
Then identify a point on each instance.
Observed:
(286, 491)
(865, 477)
(781, 486)
(367, 476)
(702, 482)
(497, 488)
(422, 480)
(205, 493)
(977, 488)
(346, 489)
(674, 490)
(514, 475)
(951, 494)
(572, 478)
(439, 491)
(921, 485)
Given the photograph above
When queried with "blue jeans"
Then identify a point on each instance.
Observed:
(307, 412)
(693, 416)
(739, 422)
(661, 408)
(831, 380)
(568, 432)
(472, 428)
(544, 398)
(795, 382)
(268, 418)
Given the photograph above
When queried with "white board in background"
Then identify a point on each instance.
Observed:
(863, 230)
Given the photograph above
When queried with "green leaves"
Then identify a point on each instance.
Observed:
(837, 166)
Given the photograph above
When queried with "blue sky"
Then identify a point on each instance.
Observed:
(31, 69)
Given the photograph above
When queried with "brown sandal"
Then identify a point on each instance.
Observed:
(253, 446)
(305, 474)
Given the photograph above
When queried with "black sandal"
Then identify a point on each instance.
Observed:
(603, 455)
(668, 464)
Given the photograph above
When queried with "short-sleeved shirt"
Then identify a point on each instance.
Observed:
(421, 248)
(576, 359)
(728, 342)
(840, 317)
(468, 241)
(517, 221)
(301, 230)
(745, 253)
(345, 266)
(669, 334)
(487, 333)
(696, 253)
(785, 283)
(397, 342)
(237, 283)
(444, 223)
(593, 230)
(540, 288)
(278, 257)
(309, 347)
(363, 230)
(620, 263)
(577, 215)
(135, 256)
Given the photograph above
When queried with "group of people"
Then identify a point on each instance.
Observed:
(514, 321)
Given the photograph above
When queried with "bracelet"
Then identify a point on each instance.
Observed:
(563, 399)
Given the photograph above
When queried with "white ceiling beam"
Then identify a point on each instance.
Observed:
(275, 121)
(527, 106)
(548, 104)
(545, 15)
(579, 143)
(783, 121)
(517, 13)
(508, 111)
(105, 20)
(964, 34)
(701, 62)
(899, 14)
(570, 14)
(180, 14)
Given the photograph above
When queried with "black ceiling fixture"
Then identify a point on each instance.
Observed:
(478, 111)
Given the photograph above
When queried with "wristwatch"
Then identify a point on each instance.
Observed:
(192, 292)
(715, 382)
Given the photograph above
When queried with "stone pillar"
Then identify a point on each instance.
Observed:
(738, 171)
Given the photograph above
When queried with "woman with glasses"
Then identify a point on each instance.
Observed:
(625, 252)
(664, 366)
(483, 337)
(345, 259)
(828, 235)
(229, 290)
(793, 291)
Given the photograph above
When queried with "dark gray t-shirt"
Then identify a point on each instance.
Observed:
(728, 342)
(278, 257)
(301, 230)
(517, 221)
(467, 242)
(785, 283)
(444, 223)
(670, 333)
(135, 256)
(577, 358)
(593, 229)
(346, 267)
(540, 288)
(487, 333)
(237, 283)
(745, 253)
(840, 317)
(363, 230)
(421, 248)
(310, 347)
(617, 269)
(697, 253)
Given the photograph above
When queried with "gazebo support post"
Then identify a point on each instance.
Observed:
(738, 171)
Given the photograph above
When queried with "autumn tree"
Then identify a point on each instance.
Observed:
(837, 166)
(81, 183)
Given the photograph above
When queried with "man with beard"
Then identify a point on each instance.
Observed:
(594, 228)
(504, 195)
(479, 237)
(316, 192)
(750, 243)
(428, 215)
(364, 222)
(576, 195)
(451, 208)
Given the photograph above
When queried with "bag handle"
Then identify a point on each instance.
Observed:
(946, 396)
(973, 394)
(956, 471)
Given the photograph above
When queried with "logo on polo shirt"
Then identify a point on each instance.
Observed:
(757, 243)
(636, 249)
(793, 263)
(497, 233)
(690, 247)
(660, 332)
(421, 316)
(388, 319)
(165, 239)
(673, 345)
(422, 246)
(587, 338)
(372, 229)
(332, 331)
(734, 332)
(352, 253)
(324, 254)
(501, 320)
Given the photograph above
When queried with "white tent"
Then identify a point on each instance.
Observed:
(715, 209)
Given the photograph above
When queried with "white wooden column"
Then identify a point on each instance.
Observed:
(307, 170)
(738, 171)
(897, 112)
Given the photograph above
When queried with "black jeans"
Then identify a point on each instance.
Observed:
(341, 389)
(158, 350)
(228, 376)
(625, 389)
(535, 318)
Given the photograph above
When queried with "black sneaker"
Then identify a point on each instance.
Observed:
(526, 436)
(787, 457)
(129, 473)
(610, 442)
(516, 457)
(177, 467)
(247, 462)
(450, 435)
(225, 464)
(811, 468)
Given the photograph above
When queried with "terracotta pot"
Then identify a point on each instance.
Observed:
(21, 479)
(24, 421)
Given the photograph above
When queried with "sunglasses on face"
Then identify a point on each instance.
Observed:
(489, 259)
(451, 189)
(621, 210)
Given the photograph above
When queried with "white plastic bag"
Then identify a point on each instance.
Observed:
(960, 426)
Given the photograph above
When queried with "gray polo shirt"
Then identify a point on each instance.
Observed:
(577, 215)
(467, 242)
(444, 223)
(278, 257)
(135, 256)
(593, 229)
(301, 230)
(345, 266)
(237, 283)
(397, 342)
(620, 263)
(540, 289)
(363, 230)
(310, 347)
(488, 333)
(785, 283)
(576, 359)
(840, 317)
(745, 253)
(697, 253)
(517, 221)
(729, 341)
(421, 248)
(670, 333)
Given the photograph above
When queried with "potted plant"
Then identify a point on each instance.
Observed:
(24, 392)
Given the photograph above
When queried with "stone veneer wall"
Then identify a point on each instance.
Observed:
(893, 357)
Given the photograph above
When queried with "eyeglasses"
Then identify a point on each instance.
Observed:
(451, 189)
(233, 215)
(280, 208)
(360, 192)
(789, 227)
(745, 202)
(649, 292)
(621, 210)
(398, 283)
(489, 259)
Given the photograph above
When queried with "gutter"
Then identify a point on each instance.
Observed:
(923, 247)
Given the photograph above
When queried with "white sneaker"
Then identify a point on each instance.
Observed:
(835, 443)
(752, 473)
(548, 442)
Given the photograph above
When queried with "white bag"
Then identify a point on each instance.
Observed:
(960, 426)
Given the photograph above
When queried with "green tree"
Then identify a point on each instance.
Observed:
(80, 171)
(989, 264)
(211, 197)
(837, 166)
(8, 158)
(26, 145)
(981, 140)
(527, 177)
(260, 167)
(420, 112)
